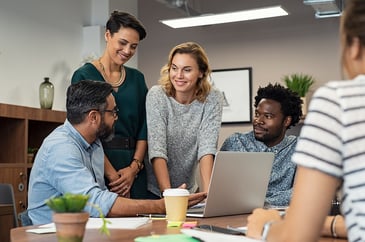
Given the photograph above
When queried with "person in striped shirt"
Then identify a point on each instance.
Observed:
(330, 153)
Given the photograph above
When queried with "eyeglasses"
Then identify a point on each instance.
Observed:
(114, 111)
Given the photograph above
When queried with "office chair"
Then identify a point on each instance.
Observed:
(7, 197)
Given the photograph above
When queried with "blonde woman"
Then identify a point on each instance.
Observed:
(184, 115)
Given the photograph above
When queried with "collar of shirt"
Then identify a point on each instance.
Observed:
(287, 140)
(78, 137)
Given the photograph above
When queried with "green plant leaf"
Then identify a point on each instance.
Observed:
(103, 229)
(68, 203)
(57, 204)
(75, 202)
(299, 83)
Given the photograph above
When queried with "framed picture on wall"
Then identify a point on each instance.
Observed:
(235, 84)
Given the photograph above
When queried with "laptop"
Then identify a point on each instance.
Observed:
(238, 184)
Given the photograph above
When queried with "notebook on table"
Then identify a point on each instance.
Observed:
(238, 184)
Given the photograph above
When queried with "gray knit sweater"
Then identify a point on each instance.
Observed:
(181, 134)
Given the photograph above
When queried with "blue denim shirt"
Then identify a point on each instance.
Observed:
(283, 171)
(66, 163)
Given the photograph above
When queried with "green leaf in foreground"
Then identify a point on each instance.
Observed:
(103, 229)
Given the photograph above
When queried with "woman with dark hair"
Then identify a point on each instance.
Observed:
(329, 154)
(184, 115)
(125, 153)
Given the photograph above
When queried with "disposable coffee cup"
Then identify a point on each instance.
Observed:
(176, 203)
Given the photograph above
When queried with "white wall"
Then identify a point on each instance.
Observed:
(44, 38)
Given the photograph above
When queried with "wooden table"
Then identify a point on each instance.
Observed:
(156, 227)
(6, 221)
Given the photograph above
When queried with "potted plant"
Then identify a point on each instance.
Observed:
(300, 83)
(70, 218)
(31, 153)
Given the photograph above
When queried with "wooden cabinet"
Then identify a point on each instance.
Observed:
(22, 128)
(6, 221)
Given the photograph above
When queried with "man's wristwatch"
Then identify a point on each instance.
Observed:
(139, 163)
(265, 230)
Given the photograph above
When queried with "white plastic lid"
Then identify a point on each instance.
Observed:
(176, 192)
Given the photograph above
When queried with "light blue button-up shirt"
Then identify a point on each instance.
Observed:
(283, 171)
(66, 163)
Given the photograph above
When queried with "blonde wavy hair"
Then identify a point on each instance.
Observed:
(203, 85)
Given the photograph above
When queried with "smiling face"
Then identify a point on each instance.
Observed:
(184, 74)
(122, 45)
(269, 123)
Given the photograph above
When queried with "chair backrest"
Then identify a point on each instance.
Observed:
(7, 197)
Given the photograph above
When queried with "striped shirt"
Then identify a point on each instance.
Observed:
(333, 141)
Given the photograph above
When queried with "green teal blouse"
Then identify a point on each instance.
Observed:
(130, 99)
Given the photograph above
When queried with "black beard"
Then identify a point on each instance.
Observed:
(105, 133)
(108, 138)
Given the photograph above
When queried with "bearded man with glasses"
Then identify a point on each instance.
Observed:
(71, 158)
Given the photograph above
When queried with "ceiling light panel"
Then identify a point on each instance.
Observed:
(211, 19)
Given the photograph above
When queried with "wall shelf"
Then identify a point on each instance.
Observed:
(22, 127)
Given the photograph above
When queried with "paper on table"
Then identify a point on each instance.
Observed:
(216, 237)
(95, 223)
(117, 223)
(42, 230)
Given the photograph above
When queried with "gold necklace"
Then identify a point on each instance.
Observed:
(121, 79)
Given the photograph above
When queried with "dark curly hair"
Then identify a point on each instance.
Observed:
(290, 102)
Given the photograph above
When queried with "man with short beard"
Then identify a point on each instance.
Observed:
(71, 158)
(276, 109)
